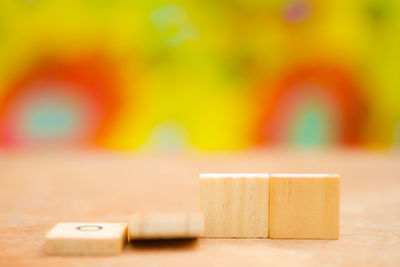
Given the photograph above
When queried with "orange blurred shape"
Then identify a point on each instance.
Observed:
(339, 94)
(85, 88)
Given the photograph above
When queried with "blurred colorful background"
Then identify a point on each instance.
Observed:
(207, 75)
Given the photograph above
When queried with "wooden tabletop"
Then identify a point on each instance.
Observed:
(39, 190)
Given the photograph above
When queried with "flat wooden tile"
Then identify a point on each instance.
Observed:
(235, 205)
(86, 238)
(304, 206)
(165, 225)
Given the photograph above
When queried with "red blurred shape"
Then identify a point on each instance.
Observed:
(333, 82)
(91, 80)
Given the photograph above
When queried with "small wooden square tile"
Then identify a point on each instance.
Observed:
(86, 239)
(165, 225)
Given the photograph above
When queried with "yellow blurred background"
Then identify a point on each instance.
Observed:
(207, 75)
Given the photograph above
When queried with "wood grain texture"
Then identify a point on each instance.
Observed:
(89, 238)
(39, 190)
(171, 225)
(304, 206)
(235, 205)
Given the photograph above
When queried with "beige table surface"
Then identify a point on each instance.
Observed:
(39, 190)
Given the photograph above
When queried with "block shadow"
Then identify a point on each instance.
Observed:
(155, 244)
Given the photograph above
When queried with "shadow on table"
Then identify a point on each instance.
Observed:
(163, 244)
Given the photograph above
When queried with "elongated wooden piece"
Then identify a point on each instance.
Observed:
(165, 225)
(304, 206)
(235, 205)
(86, 239)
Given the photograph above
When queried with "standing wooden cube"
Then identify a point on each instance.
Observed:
(235, 205)
(304, 206)
(86, 239)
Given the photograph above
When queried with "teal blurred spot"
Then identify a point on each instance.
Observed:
(311, 128)
(173, 24)
(51, 122)
(169, 136)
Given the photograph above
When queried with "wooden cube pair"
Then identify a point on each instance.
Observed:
(274, 206)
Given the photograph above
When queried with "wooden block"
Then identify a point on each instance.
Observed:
(165, 226)
(235, 205)
(304, 206)
(86, 239)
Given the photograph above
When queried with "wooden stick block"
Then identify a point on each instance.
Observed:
(235, 205)
(86, 239)
(304, 206)
(165, 226)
